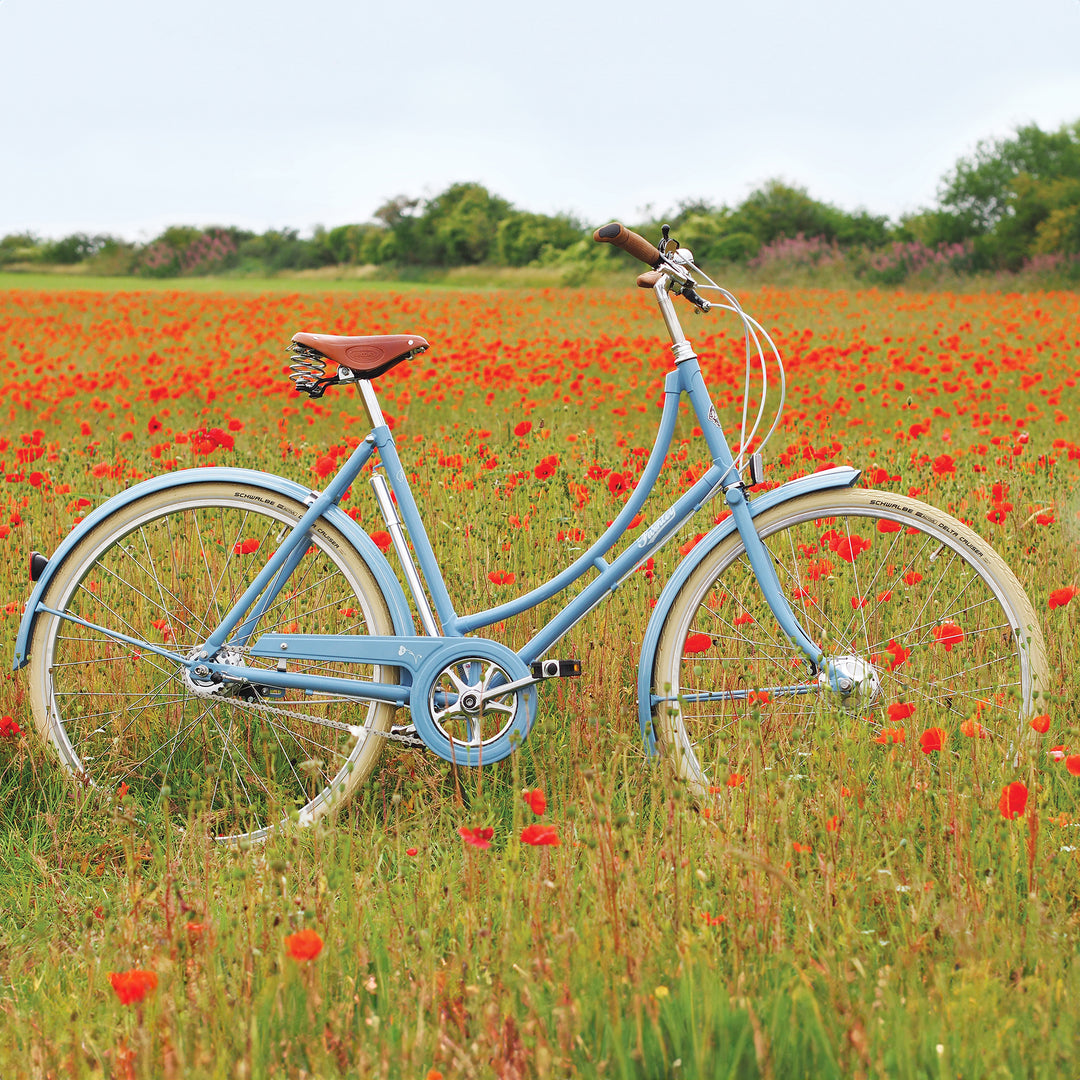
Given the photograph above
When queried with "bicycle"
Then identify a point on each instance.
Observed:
(235, 642)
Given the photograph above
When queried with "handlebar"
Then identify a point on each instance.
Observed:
(629, 241)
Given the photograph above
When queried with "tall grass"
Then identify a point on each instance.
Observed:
(851, 909)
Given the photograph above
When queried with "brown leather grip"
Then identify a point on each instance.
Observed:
(630, 242)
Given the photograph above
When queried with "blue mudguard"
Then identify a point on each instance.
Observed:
(380, 568)
(838, 477)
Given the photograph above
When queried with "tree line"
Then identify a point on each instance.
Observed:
(1012, 204)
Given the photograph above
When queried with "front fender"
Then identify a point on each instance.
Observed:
(380, 568)
(837, 477)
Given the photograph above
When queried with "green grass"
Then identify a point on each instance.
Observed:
(926, 936)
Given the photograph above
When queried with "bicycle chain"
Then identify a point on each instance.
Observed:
(391, 736)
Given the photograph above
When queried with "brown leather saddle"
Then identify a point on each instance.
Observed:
(369, 357)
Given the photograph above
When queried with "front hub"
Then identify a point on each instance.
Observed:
(853, 679)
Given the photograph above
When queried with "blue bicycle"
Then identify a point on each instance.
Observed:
(236, 641)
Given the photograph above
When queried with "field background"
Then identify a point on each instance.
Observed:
(859, 910)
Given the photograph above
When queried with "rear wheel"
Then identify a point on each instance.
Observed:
(164, 570)
(922, 623)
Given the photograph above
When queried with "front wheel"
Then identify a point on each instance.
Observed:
(165, 570)
(919, 622)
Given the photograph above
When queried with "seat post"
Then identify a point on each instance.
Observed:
(371, 403)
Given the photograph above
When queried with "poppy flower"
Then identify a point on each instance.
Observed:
(743, 619)
(536, 800)
(1013, 799)
(932, 739)
(303, 945)
(849, 547)
(943, 465)
(901, 711)
(899, 654)
(382, 540)
(1060, 597)
(411, 851)
(1041, 724)
(1072, 763)
(697, 643)
(759, 697)
(888, 736)
(948, 634)
(735, 780)
(884, 526)
(325, 466)
(801, 849)
(546, 469)
(501, 577)
(246, 547)
(9, 728)
(523, 428)
(912, 577)
(479, 838)
(884, 597)
(618, 483)
(132, 986)
(540, 835)
(972, 729)
(833, 823)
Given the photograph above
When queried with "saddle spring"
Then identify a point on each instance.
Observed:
(308, 367)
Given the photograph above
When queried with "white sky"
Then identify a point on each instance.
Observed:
(129, 115)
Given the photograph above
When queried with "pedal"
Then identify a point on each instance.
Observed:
(556, 669)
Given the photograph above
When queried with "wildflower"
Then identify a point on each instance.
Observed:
(712, 920)
(932, 739)
(121, 791)
(912, 577)
(195, 930)
(246, 547)
(1013, 799)
(410, 851)
(972, 729)
(1072, 763)
(325, 466)
(901, 711)
(523, 428)
(9, 728)
(536, 800)
(434, 1074)
(546, 469)
(884, 597)
(759, 697)
(884, 526)
(1041, 724)
(382, 540)
(540, 835)
(849, 547)
(1057, 753)
(1060, 597)
(479, 838)
(943, 465)
(132, 986)
(899, 654)
(501, 577)
(661, 992)
(303, 945)
(948, 634)
(888, 736)
(801, 848)
(735, 780)
(696, 643)
(618, 483)
(833, 823)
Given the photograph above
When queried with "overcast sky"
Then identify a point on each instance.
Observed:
(128, 115)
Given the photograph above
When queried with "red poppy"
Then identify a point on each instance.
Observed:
(546, 469)
(948, 634)
(1072, 763)
(743, 619)
(480, 838)
(884, 526)
(523, 428)
(899, 654)
(246, 547)
(884, 597)
(618, 483)
(912, 577)
(943, 465)
(801, 849)
(303, 945)
(325, 466)
(833, 823)
(1013, 799)
(888, 736)
(502, 577)
(932, 739)
(859, 602)
(1060, 597)
(132, 986)
(972, 729)
(901, 711)
(410, 851)
(1041, 724)
(760, 697)
(382, 540)
(540, 835)
(735, 779)
(849, 547)
(536, 800)
(8, 727)
(697, 643)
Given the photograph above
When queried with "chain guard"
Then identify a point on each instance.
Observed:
(449, 714)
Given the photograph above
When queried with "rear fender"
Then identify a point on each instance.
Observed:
(278, 485)
(838, 477)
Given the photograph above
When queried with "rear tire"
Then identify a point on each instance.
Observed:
(165, 569)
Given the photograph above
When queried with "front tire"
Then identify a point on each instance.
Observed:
(922, 618)
(165, 569)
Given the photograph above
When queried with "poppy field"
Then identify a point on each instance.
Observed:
(897, 898)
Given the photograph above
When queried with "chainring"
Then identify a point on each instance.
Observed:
(458, 710)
